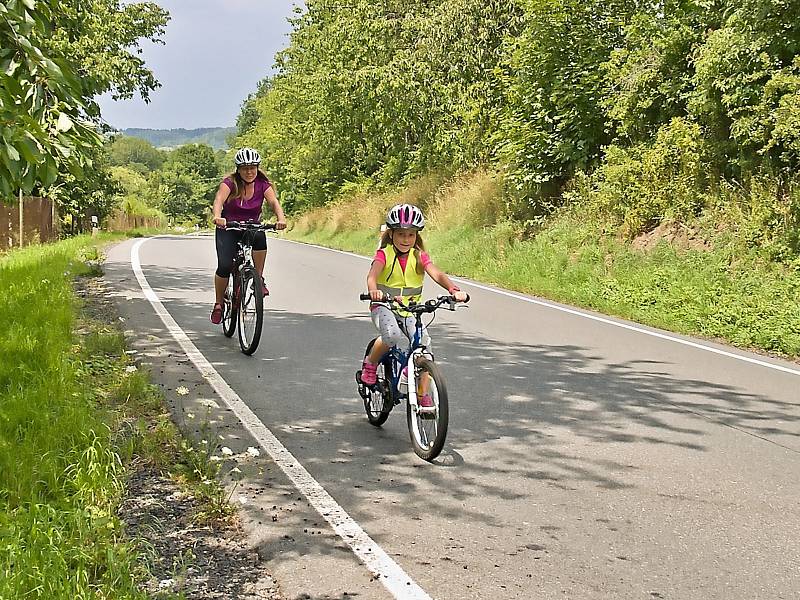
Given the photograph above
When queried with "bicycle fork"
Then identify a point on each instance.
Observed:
(412, 376)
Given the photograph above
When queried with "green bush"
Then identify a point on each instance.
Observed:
(646, 184)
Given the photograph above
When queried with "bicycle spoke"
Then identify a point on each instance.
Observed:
(428, 427)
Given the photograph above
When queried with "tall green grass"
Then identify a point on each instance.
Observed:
(723, 290)
(60, 478)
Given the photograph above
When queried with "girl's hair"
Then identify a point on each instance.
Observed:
(419, 246)
(239, 183)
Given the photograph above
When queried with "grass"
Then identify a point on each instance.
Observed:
(721, 291)
(74, 411)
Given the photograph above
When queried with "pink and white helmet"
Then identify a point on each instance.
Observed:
(405, 216)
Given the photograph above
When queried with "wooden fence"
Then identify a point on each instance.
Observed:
(29, 221)
(121, 221)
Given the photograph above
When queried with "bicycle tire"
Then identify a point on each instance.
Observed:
(378, 400)
(428, 431)
(251, 311)
(230, 308)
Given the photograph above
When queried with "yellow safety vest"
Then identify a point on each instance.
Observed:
(397, 282)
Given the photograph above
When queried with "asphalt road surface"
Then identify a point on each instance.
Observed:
(587, 457)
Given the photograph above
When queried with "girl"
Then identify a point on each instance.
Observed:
(398, 269)
(239, 198)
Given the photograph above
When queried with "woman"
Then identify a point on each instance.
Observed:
(239, 198)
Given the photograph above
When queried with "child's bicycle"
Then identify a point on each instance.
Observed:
(399, 375)
(244, 297)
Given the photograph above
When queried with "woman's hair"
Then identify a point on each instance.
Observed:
(419, 246)
(239, 183)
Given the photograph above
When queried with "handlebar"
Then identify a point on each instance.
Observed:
(428, 306)
(249, 226)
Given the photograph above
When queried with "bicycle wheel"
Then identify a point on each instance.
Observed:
(378, 399)
(428, 429)
(251, 313)
(230, 307)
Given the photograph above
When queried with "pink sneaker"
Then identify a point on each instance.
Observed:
(216, 314)
(369, 373)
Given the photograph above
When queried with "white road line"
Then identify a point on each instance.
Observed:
(388, 572)
(578, 313)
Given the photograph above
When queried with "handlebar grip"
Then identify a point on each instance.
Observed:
(364, 297)
(467, 300)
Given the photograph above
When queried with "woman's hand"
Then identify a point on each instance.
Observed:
(460, 296)
(220, 222)
(280, 224)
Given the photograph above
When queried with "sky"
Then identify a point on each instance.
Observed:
(215, 54)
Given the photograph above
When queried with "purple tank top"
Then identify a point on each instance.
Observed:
(239, 209)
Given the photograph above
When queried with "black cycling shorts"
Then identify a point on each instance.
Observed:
(226, 248)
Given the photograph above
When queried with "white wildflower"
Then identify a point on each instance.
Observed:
(165, 583)
(226, 451)
(131, 369)
(235, 470)
(182, 391)
(243, 500)
(253, 452)
(190, 415)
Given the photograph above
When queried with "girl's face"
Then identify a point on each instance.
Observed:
(404, 239)
(248, 172)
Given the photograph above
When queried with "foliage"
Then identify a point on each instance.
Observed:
(641, 186)
(377, 92)
(649, 77)
(747, 85)
(555, 123)
(42, 102)
(97, 37)
(94, 193)
(187, 183)
(125, 150)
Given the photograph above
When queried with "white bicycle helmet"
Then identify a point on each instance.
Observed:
(405, 216)
(247, 156)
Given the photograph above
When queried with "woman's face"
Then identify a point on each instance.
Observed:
(404, 239)
(248, 172)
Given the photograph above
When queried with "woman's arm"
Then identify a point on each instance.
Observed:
(272, 200)
(222, 194)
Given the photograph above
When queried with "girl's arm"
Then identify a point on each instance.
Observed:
(216, 211)
(443, 280)
(275, 205)
(372, 281)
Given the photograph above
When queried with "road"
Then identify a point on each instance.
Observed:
(586, 458)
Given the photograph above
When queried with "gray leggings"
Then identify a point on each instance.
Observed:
(392, 331)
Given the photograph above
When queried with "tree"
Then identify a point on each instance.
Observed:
(188, 182)
(125, 150)
(55, 57)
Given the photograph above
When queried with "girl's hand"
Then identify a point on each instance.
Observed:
(460, 296)
(376, 295)
(280, 224)
(220, 222)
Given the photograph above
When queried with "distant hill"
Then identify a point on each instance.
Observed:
(172, 138)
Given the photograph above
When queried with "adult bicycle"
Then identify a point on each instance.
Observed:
(404, 374)
(243, 303)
